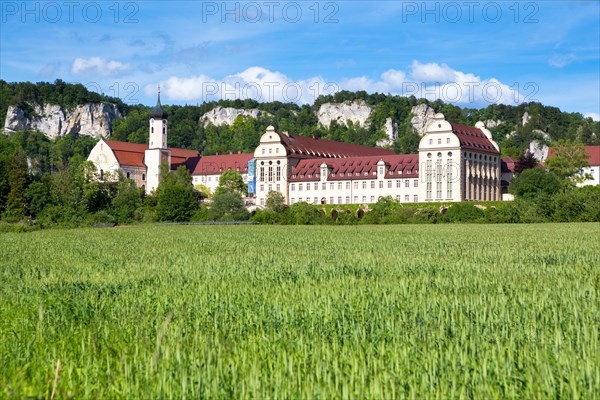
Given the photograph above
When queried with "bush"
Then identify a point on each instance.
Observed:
(303, 213)
(463, 212)
(267, 217)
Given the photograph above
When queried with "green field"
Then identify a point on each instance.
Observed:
(409, 311)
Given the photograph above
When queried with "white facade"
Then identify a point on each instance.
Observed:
(273, 167)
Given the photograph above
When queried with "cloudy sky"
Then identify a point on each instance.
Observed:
(469, 53)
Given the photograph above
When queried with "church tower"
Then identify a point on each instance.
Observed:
(157, 152)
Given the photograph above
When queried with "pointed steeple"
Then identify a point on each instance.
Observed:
(158, 112)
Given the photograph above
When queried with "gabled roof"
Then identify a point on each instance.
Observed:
(508, 164)
(398, 166)
(306, 147)
(473, 139)
(214, 165)
(132, 154)
(592, 151)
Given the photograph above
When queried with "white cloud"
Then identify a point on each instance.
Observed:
(593, 115)
(562, 60)
(98, 65)
(432, 81)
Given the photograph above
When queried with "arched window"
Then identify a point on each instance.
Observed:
(143, 177)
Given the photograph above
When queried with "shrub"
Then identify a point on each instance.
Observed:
(462, 212)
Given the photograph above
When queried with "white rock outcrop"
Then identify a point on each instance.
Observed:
(525, 119)
(422, 116)
(84, 120)
(356, 111)
(226, 115)
(490, 123)
(391, 130)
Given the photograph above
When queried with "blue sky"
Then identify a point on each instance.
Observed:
(470, 53)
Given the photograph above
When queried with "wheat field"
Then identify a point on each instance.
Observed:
(365, 312)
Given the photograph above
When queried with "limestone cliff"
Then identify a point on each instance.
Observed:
(226, 115)
(356, 111)
(52, 120)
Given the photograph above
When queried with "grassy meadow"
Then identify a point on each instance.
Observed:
(366, 312)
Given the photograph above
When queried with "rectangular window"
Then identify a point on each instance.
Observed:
(262, 173)
(364, 184)
(270, 174)
(324, 186)
(406, 183)
(439, 141)
(416, 198)
(372, 199)
(316, 200)
(339, 185)
(299, 199)
(300, 187)
(292, 200)
(430, 141)
(347, 199)
(316, 185)
(262, 201)
(364, 199)
(339, 199)
(398, 198)
(262, 188)
(398, 184)
(380, 184)
(293, 187)
(355, 185)
(447, 140)
(278, 173)
(308, 186)
(372, 184)
(331, 200)
(270, 188)
(347, 185)
(389, 184)
(331, 186)
(278, 187)
(416, 183)
(355, 199)
(406, 198)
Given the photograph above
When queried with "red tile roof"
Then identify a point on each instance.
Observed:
(306, 147)
(398, 166)
(592, 151)
(508, 164)
(132, 154)
(213, 165)
(473, 139)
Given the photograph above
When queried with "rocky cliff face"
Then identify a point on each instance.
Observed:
(422, 115)
(391, 130)
(84, 120)
(226, 115)
(356, 111)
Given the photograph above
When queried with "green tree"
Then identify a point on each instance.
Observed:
(228, 205)
(534, 182)
(567, 161)
(18, 176)
(275, 202)
(176, 200)
(127, 199)
(231, 180)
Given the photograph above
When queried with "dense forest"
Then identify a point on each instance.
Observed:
(546, 123)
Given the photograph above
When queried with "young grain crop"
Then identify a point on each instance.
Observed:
(450, 311)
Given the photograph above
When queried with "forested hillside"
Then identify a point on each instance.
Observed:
(545, 123)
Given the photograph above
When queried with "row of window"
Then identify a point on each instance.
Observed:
(439, 141)
(271, 150)
(346, 200)
(363, 184)
(269, 174)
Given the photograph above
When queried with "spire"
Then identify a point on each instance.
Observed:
(158, 112)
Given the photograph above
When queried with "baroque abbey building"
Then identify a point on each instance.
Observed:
(454, 163)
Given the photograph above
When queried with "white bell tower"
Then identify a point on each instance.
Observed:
(158, 152)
